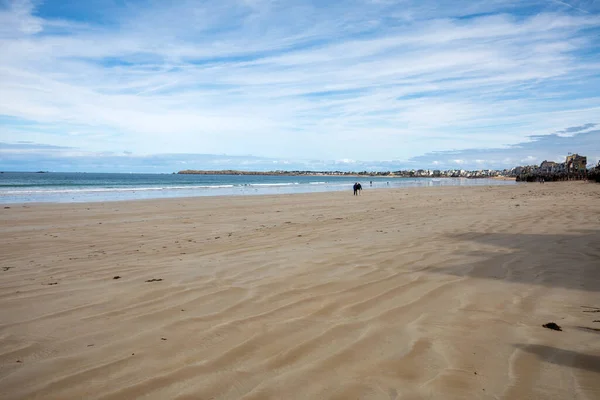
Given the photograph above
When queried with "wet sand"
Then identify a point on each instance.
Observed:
(424, 293)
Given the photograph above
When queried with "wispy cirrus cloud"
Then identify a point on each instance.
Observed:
(553, 147)
(27, 156)
(575, 129)
(361, 80)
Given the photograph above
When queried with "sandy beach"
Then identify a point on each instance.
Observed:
(425, 293)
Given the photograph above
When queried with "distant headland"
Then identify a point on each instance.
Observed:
(392, 174)
(573, 168)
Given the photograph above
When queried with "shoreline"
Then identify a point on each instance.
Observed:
(224, 189)
(268, 196)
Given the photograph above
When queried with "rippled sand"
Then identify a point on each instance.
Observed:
(435, 293)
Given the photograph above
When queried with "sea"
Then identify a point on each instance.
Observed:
(62, 187)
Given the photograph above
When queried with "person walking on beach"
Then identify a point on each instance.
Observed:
(355, 187)
(359, 188)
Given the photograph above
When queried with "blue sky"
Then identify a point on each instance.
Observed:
(114, 85)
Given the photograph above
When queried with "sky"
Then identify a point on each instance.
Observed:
(156, 86)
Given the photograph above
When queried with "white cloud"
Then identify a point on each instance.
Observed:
(17, 19)
(529, 160)
(298, 80)
(552, 147)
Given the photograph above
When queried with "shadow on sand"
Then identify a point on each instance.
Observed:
(524, 258)
(558, 356)
(588, 329)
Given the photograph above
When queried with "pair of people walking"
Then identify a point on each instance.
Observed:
(357, 188)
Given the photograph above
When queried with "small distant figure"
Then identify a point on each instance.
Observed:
(371, 183)
(388, 183)
(357, 188)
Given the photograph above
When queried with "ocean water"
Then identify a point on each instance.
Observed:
(56, 187)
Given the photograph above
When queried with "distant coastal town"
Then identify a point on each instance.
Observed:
(573, 168)
(421, 173)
